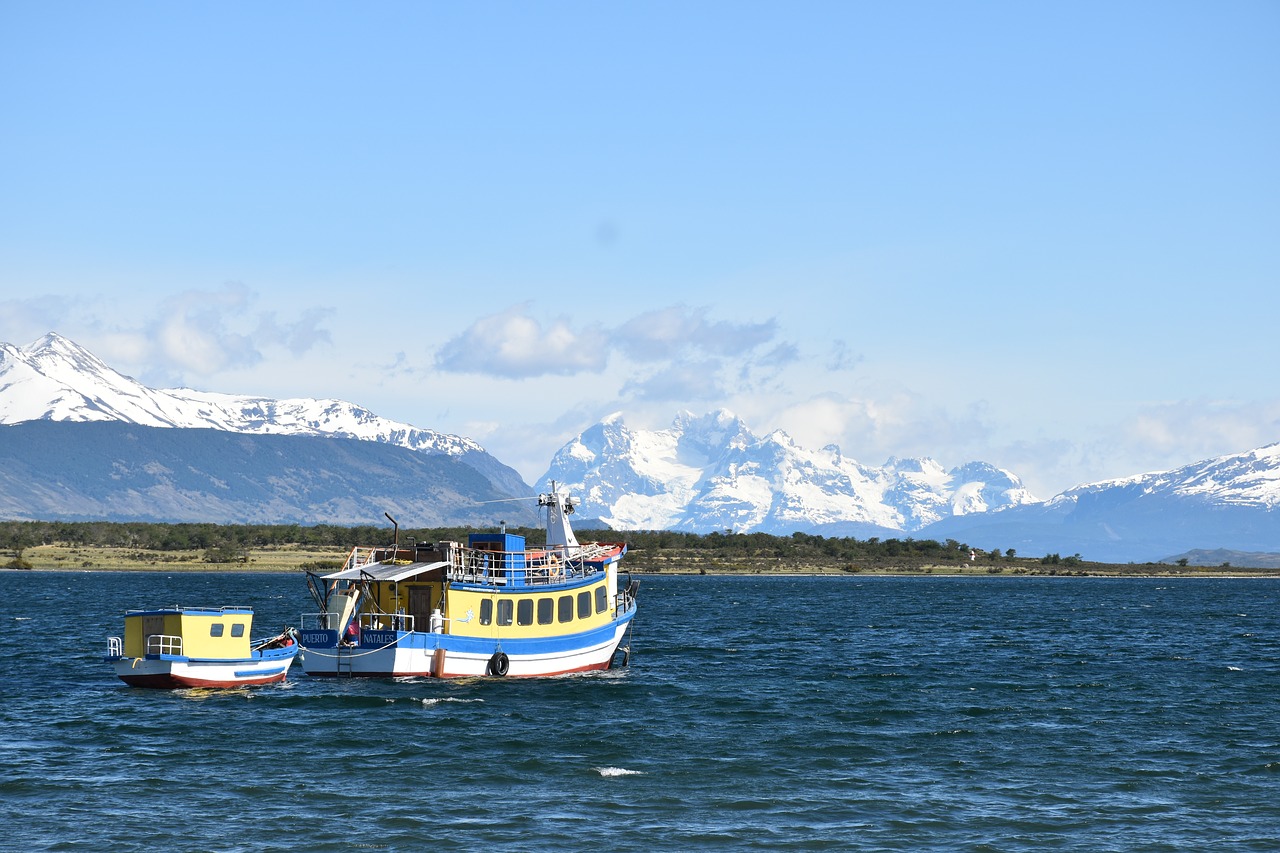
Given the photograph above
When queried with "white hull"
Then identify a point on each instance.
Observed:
(159, 672)
(430, 655)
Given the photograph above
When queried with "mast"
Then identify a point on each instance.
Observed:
(559, 508)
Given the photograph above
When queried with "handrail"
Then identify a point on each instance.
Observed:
(538, 566)
(178, 608)
(386, 621)
(115, 647)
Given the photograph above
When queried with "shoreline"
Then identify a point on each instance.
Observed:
(1190, 572)
(641, 563)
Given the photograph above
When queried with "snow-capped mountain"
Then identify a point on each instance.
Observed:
(701, 474)
(1241, 479)
(713, 473)
(54, 379)
(1230, 502)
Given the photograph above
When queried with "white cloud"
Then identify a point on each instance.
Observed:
(204, 332)
(297, 337)
(656, 335)
(514, 345)
(678, 381)
(842, 358)
(192, 334)
(1176, 433)
(25, 320)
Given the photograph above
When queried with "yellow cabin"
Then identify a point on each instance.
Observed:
(221, 633)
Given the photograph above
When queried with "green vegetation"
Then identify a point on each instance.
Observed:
(140, 545)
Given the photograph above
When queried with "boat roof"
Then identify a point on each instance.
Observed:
(384, 571)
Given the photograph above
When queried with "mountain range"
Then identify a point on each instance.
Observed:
(79, 440)
(712, 473)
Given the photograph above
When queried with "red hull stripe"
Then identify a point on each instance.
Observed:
(172, 682)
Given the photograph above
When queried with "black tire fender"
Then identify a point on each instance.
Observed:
(498, 665)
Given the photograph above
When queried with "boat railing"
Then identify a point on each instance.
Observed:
(626, 597)
(164, 644)
(531, 567)
(360, 556)
(386, 621)
(115, 647)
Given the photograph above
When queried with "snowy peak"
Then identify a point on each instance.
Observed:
(713, 473)
(1250, 479)
(56, 379)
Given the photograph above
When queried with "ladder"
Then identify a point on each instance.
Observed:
(344, 662)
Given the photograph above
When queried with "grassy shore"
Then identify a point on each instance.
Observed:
(287, 558)
(275, 559)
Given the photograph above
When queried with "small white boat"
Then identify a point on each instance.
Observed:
(197, 647)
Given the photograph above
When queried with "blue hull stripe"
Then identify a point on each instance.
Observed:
(250, 673)
(563, 644)
(517, 645)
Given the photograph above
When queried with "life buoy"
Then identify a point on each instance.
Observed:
(498, 664)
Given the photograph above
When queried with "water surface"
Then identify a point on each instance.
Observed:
(771, 713)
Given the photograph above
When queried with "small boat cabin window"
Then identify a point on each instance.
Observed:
(237, 630)
(504, 611)
(524, 611)
(566, 608)
(546, 611)
(215, 630)
(486, 612)
(602, 599)
(584, 605)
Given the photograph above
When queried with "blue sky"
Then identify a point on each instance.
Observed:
(1043, 235)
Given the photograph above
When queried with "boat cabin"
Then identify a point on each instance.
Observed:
(197, 632)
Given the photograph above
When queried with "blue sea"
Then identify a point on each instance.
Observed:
(757, 713)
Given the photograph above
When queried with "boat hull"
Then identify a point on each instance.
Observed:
(174, 672)
(395, 654)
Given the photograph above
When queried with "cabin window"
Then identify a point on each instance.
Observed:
(546, 611)
(237, 630)
(584, 604)
(566, 608)
(602, 599)
(486, 611)
(524, 612)
(215, 630)
(504, 611)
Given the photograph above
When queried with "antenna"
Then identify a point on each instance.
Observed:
(397, 541)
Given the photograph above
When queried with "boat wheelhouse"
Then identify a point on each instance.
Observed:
(494, 606)
(176, 647)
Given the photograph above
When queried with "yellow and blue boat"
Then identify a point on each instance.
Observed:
(494, 607)
(176, 647)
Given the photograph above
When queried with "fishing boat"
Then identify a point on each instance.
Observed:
(492, 607)
(177, 647)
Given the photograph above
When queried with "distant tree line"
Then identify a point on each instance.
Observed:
(224, 541)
